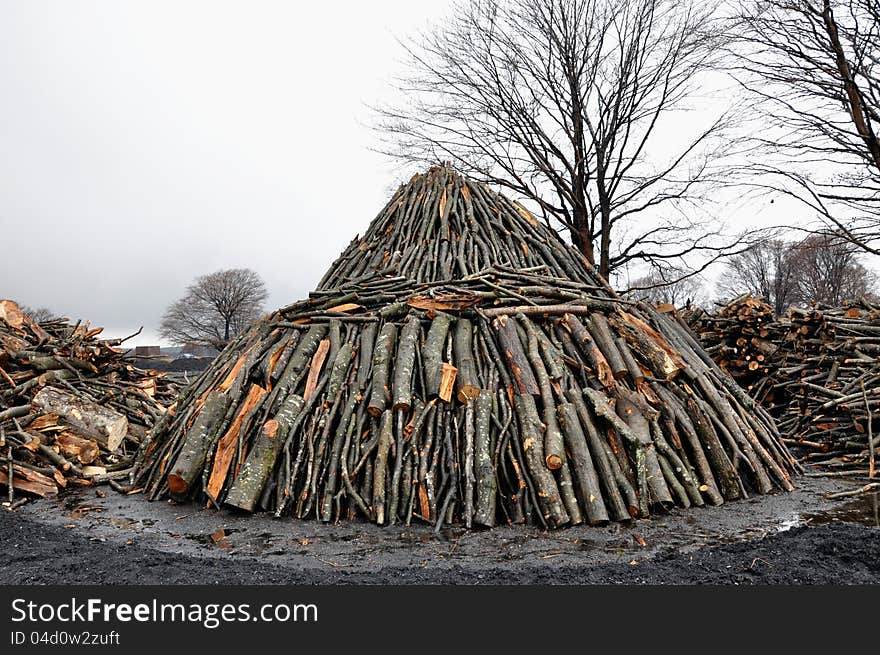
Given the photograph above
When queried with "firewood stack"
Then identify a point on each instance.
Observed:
(821, 381)
(460, 364)
(742, 337)
(831, 378)
(72, 409)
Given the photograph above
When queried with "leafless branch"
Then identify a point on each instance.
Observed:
(566, 103)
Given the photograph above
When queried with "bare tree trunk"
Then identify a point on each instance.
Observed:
(605, 225)
(853, 95)
(583, 237)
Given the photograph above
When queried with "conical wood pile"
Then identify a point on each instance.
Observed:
(461, 364)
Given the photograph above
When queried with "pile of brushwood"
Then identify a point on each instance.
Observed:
(816, 370)
(460, 364)
(73, 410)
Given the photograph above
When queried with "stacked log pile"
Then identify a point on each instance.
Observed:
(73, 410)
(460, 364)
(820, 377)
(744, 338)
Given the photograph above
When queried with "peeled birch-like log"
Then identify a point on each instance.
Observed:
(105, 426)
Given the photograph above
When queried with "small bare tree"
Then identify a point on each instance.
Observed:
(766, 270)
(822, 268)
(827, 271)
(38, 314)
(670, 285)
(815, 67)
(215, 308)
(569, 104)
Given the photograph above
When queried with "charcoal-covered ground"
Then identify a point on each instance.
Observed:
(779, 539)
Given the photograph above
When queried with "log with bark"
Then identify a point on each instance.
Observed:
(477, 371)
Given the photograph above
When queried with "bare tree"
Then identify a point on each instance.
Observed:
(827, 271)
(570, 105)
(670, 285)
(215, 308)
(813, 64)
(765, 270)
(38, 314)
(822, 268)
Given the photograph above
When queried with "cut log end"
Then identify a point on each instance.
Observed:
(554, 462)
(177, 484)
(468, 392)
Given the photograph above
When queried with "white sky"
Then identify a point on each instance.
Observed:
(146, 143)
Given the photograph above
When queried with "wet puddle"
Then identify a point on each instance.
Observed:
(864, 510)
(861, 510)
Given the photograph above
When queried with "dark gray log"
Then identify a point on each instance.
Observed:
(484, 513)
(635, 412)
(517, 361)
(382, 356)
(260, 461)
(554, 451)
(188, 464)
(380, 466)
(463, 349)
(601, 333)
(432, 352)
(401, 388)
(549, 498)
(581, 464)
(612, 491)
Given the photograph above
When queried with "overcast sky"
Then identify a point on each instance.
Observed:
(147, 143)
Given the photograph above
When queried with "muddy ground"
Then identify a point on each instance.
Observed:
(83, 538)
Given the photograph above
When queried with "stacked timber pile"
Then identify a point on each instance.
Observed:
(743, 337)
(460, 364)
(831, 381)
(820, 377)
(73, 410)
